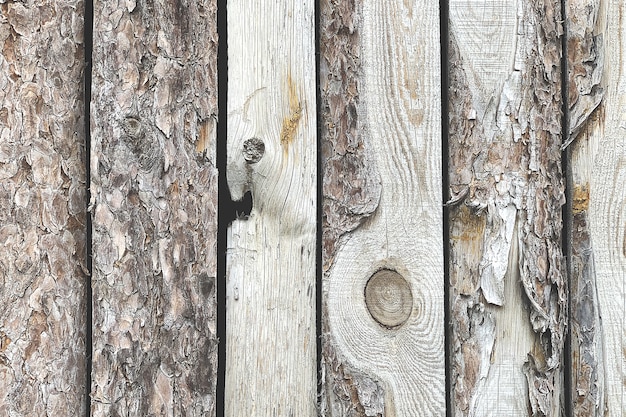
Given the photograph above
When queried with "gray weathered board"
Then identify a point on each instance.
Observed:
(536, 171)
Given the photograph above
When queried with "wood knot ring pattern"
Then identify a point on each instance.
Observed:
(388, 298)
(253, 150)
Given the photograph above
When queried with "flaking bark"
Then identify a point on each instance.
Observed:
(351, 189)
(42, 209)
(510, 189)
(154, 205)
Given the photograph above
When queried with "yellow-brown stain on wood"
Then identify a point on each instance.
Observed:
(290, 123)
(580, 200)
(204, 136)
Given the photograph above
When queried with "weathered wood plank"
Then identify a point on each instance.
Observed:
(508, 296)
(381, 141)
(596, 47)
(154, 202)
(272, 152)
(585, 49)
(42, 209)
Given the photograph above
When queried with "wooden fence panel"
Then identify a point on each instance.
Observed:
(508, 296)
(383, 279)
(272, 152)
(42, 209)
(596, 46)
(154, 204)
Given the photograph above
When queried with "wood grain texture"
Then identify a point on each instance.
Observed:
(351, 189)
(508, 291)
(586, 36)
(154, 202)
(599, 174)
(271, 283)
(42, 209)
(381, 107)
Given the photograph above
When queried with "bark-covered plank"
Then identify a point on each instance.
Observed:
(272, 153)
(42, 209)
(586, 36)
(383, 351)
(598, 160)
(154, 202)
(508, 295)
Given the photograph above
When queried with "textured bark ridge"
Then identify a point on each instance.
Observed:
(351, 188)
(585, 61)
(507, 192)
(42, 209)
(154, 205)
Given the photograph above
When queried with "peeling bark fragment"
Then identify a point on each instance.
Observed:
(351, 187)
(513, 187)
(585, 58)
(42, 209)
(154, 205)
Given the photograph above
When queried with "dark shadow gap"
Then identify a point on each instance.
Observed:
(88, 44)
(319, 208)
(445, 133)
(223, 199)
(568, 220)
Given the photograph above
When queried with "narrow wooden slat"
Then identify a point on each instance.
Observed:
(508, 296)
(272, 152)
(381, 140)
(586, 37)
(595, 57)
(154, 202)
(42, 209)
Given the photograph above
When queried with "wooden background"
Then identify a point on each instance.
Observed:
(437, 225)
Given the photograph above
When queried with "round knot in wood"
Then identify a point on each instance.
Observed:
(253, 150)
(388, 298)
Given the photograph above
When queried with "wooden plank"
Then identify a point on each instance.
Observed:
(596, 45)
(154, 203)
(42, 209)
(508, 296)
(272, 152)
(383, 282)
(585, 49)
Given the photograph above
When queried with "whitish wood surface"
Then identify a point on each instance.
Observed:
(599, 173)
(270, 289)
(382, 156)
(154, 204)
(42, 209)
(586, 48)
(508, 296)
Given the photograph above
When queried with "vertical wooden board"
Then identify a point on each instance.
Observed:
(42, 209)
(508, 295)
(586, 38)
(599, 175)
(383, 348)
(272, 152)
(154, 202)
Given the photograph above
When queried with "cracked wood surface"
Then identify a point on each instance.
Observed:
(270, 277)
(154, 208)
(382, 209)
(596, 58)
(42, 209)
(508, 296)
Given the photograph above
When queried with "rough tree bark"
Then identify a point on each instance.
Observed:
(596, 100)
(42, 209)
(154, 203)
(586, 24)
(382, 209)
(508, 295)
